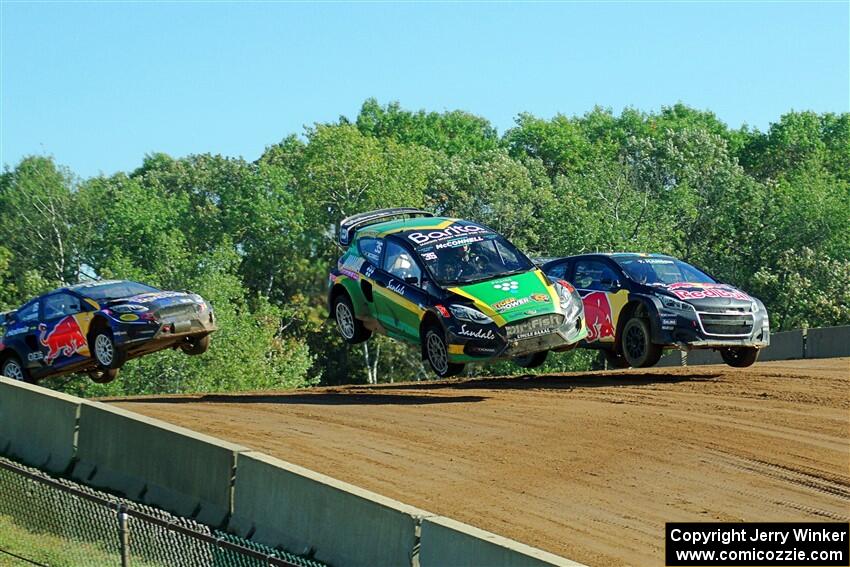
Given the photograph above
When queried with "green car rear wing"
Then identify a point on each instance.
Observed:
(349, 225)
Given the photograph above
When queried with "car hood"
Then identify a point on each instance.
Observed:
(160, 299)
(512, 298)
(709, 295)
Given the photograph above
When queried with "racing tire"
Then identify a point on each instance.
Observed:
(615, 359)
(105, 353)
(636, 344)
(193, 346)
(103, 375)
(350, 328)
(437, 353)
(532, 360)
(740, 357)
(12, 368)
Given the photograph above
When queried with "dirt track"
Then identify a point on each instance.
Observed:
(588, 466)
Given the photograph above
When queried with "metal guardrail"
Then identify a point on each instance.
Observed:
(99, 529)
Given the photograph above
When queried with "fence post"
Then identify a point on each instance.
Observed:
(124, 536)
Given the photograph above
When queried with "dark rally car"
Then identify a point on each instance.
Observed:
(96, 327)
(638, 304)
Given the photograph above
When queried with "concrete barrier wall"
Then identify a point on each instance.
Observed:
(447, 542)
(37, 425)
(157, 463)
(828, 342)
(784, 346)
(278, 503)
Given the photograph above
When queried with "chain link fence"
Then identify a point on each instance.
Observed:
(87, 528)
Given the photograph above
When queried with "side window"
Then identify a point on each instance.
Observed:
(596, 275)
(29, 313)
(399, 262)
(371, 248)
(60, 305)
(558, 271)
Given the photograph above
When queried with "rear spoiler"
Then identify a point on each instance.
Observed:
(349, 225)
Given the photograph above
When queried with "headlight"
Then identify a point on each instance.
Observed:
(465, 313)
(129, 308)
(570, 299)
(754, 307)
(671, 303)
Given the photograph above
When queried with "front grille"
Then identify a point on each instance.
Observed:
(727, 324)
(534, 326)
(181, 312)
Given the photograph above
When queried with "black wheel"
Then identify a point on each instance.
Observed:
(636, 344)
(532, 360)
(104, 376)
(615, 359)
(350, 327)
(437, 353)
(104, 351)
(193, 346)
(12, 368)
(740, 357)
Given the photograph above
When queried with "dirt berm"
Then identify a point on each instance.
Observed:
(589, 466)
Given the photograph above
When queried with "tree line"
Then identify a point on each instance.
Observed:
(766, 211)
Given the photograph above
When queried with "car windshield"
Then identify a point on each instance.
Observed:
(661, 271)
(114, 290)
(469, 259)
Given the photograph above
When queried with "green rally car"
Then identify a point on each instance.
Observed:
(456, 288)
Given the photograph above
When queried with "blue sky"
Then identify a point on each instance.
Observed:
(99, 85)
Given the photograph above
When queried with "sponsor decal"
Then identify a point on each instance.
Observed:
(35, 356)
(429, 256)
(507, 285)
(541, 297)
(542, 325)
(477, 333)
(396, 287)
(369, 271)
(350, 273)
(18, 331)
(597, 313)
(690, 290)
(510, 303)
(458, 242)
(421, 238)
(153, 296)
(129, 317)
(66, 338)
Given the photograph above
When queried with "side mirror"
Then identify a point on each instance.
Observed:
(412, 280)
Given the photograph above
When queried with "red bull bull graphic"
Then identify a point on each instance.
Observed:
(597, 313)
(65, 339)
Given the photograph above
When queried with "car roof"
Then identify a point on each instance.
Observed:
(614, 255)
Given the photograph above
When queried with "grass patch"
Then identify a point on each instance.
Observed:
(48, 549)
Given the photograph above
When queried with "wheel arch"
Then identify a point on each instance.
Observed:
(428, 320)
(642, 307)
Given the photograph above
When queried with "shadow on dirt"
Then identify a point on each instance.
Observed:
(382, 394)
(335, 398)
(555, 382)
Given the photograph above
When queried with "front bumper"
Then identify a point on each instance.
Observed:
(692, 329)
(518, 339)
(169, 329)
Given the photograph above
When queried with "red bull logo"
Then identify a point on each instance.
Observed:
(597, 313)
(65, 339)
(693, 290)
